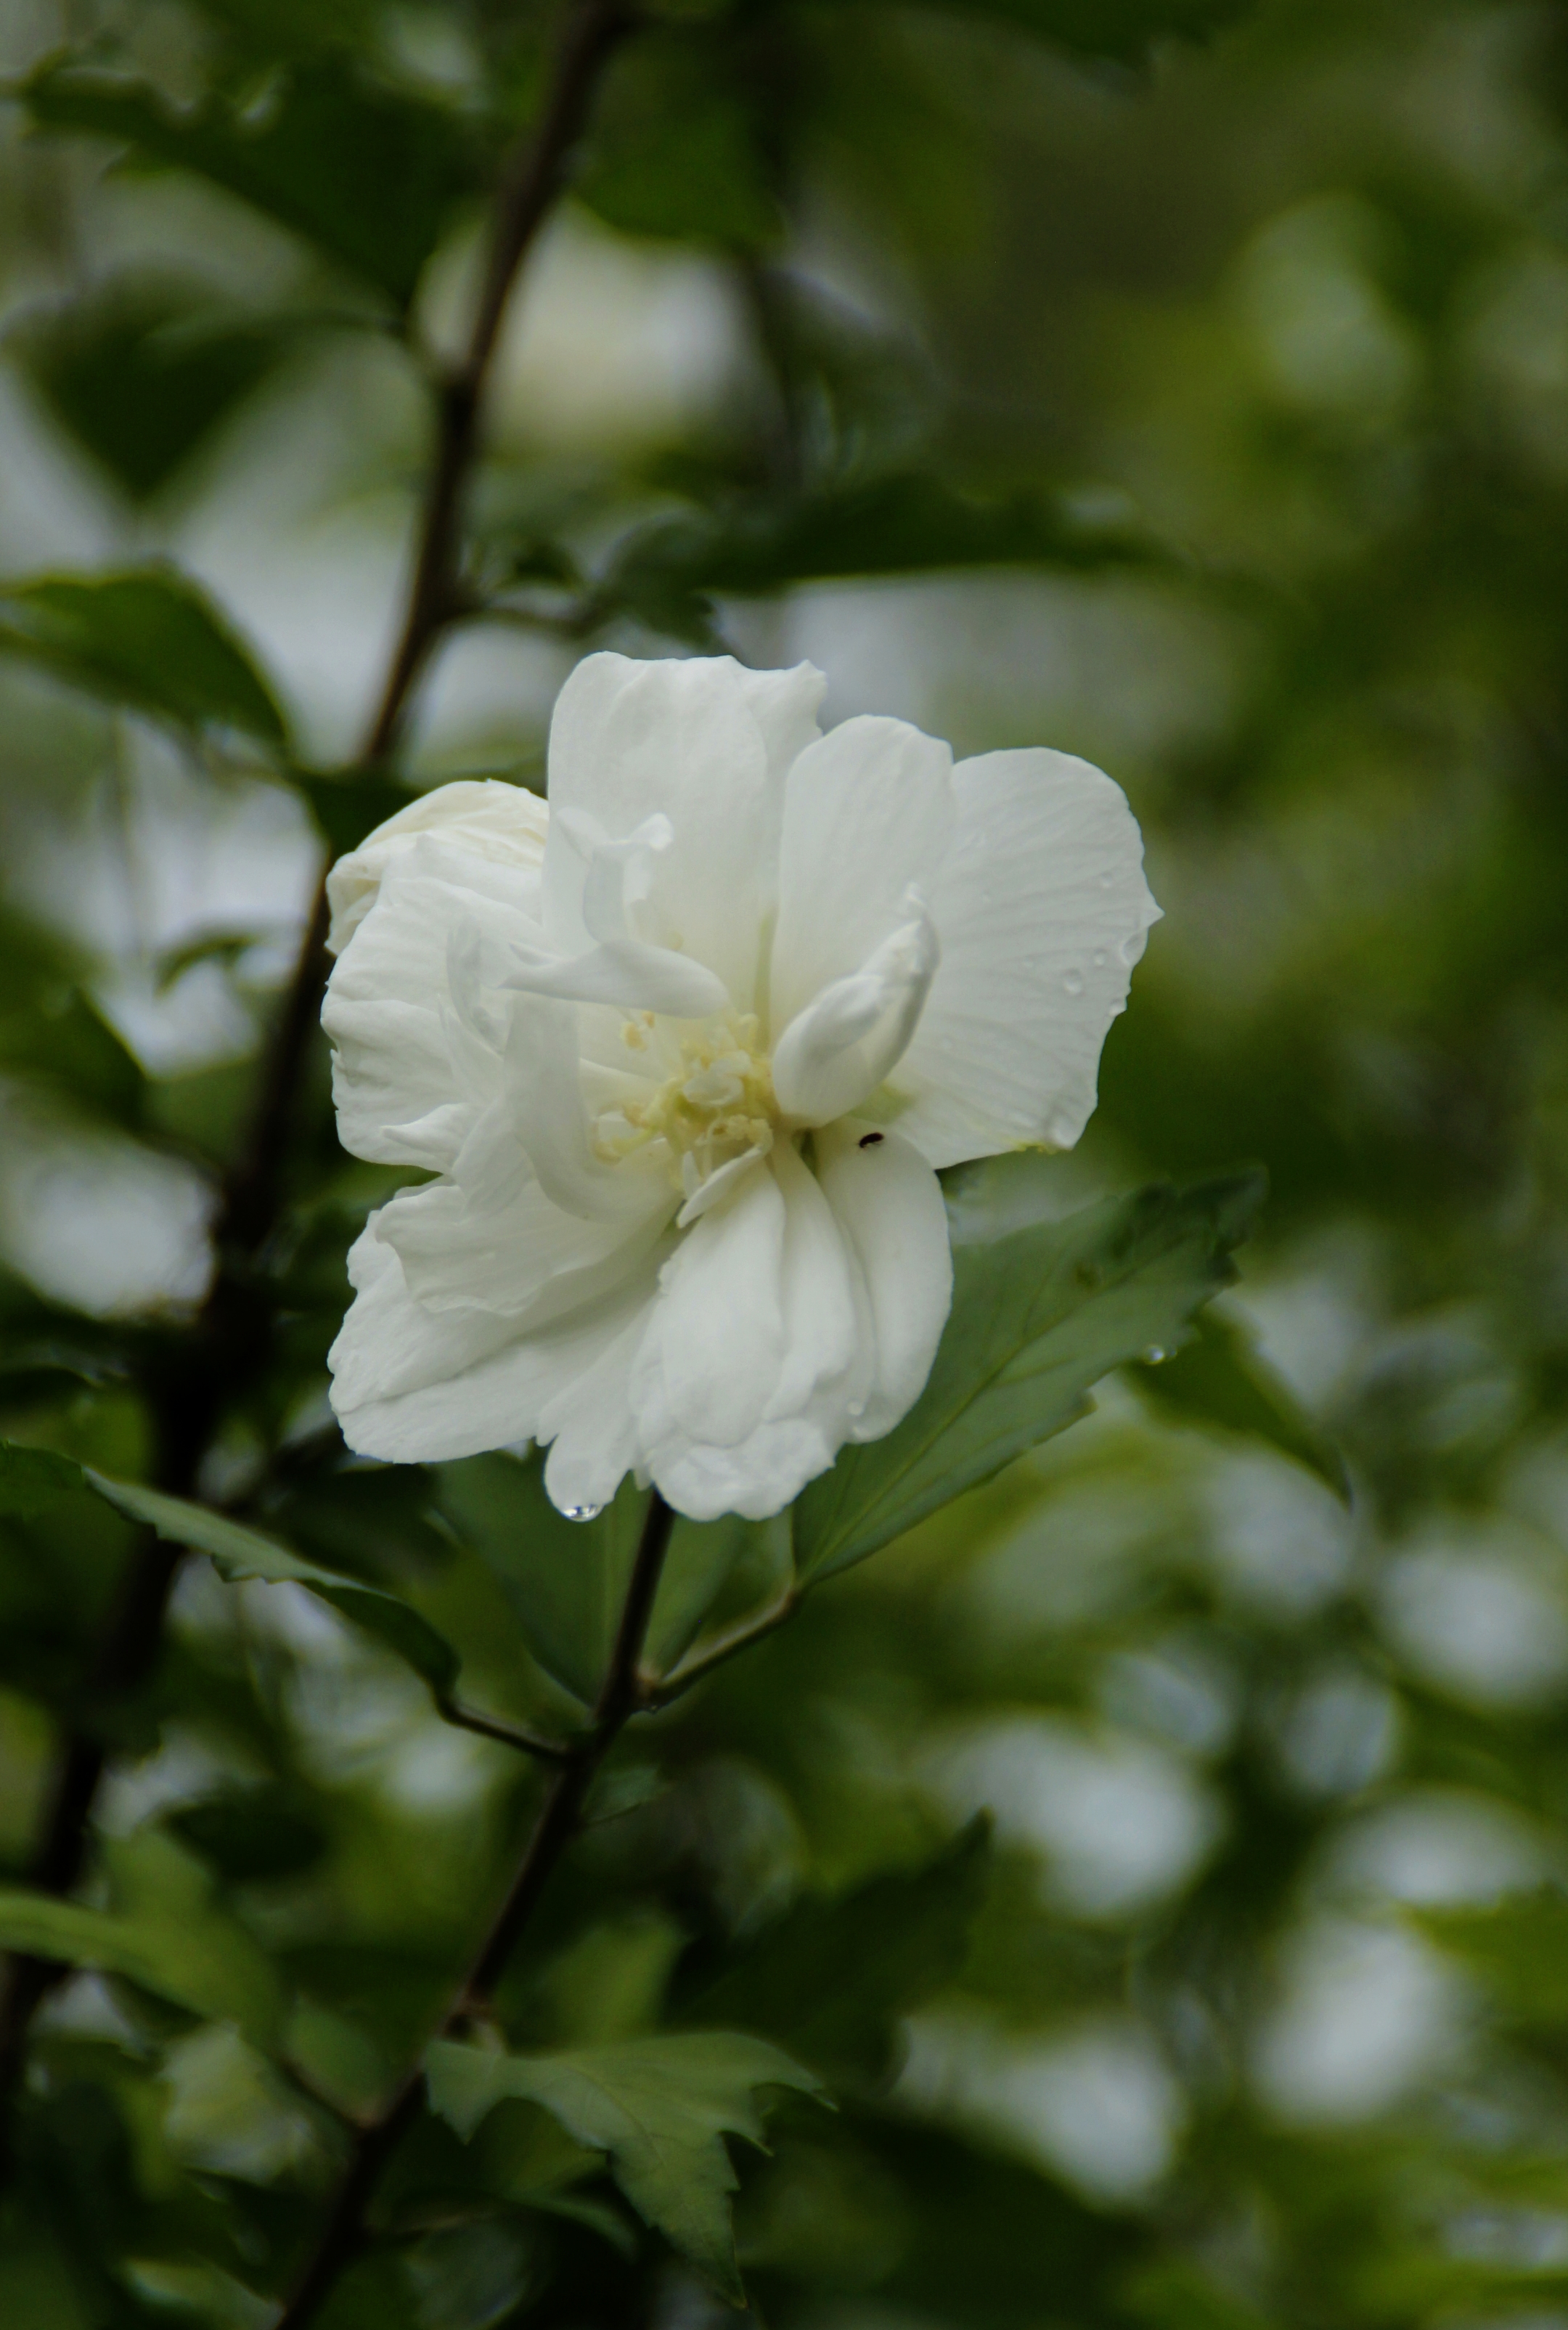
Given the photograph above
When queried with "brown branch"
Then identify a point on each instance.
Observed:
(557, 1822)
(232, 1337)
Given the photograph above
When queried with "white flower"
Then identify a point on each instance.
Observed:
(685, 1051)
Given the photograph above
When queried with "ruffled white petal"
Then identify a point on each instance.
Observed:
(754, 1352)
(704, 744)
(868, 814)
(1042, 908)
(415, 1387)
(486, 818)
(834, 1055)
(888, 1204)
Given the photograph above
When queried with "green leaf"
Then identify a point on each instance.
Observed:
(1124, 30)
(1042, 1310)
(368, 174)
(143, 372)
(146, 639)
(31, 1478)
(1517, 1948)
(349, 803)
(566, 1580)
(674, 152)
(910, 523)
(167, 1936)
(1221, 1377)
(905, 1935)
(239, 1553)
(659, 2108)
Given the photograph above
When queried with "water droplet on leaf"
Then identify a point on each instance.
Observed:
(1156, 1355)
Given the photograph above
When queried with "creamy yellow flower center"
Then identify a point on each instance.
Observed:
(715, 1104)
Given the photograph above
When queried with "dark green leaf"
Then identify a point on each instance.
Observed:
(239, 1553)
(368, 174)
(31, 1478)
(168, 1937)
(659, 2108)
(349, 803)
(1124, 30)
(903, 1934)
(675, 151)
(566, 1580)
(1220, 1376)
(1042, 1310)
(910, 523)
(147, 638)
(143, 374)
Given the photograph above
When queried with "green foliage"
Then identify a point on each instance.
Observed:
(144, 373)
(367, 173)
(1121, 29)
(661, 2108)
(1220, 1377)
(146, 639)
(168, 1937)
(1040, 1310)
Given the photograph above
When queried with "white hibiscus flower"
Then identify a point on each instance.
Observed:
(685, 1051)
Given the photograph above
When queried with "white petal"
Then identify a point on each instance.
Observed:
(590, 1427)
(489, 819)
(755, 1350)
(416, 1387)
(633, 977)
(1041, 909)
(545, 1083)
(889, 1206)
(867, 813)
(705, 742)
(491, 1239)
(836, 1053)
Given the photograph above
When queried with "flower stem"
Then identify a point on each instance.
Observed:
(557, 1822)
(230, 1338)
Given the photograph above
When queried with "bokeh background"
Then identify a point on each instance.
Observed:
(1200, 409)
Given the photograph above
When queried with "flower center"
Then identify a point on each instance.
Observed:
(714, 1106)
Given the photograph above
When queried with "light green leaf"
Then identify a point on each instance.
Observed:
(1042, 1310)
(167, 1935)
(1221, 1377)
(659, 2108)
(146, 638)
(239, 1553)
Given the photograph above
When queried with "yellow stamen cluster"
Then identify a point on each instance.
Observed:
(715, 1104)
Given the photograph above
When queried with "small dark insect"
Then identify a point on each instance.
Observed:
(869, 1140)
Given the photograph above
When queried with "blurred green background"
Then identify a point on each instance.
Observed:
(1184, 387)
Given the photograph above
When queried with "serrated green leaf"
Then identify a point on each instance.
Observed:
(661, 2108)
(1042, 1310)
(1221, 1377)
(368, 174)
(168, 1937)
(240, 1553)
(147, 638)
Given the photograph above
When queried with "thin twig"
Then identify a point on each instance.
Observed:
(658, 1690)
(557, 1822)
(230, 1338)
(511, 1735)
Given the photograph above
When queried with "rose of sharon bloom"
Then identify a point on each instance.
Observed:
(686, 1050)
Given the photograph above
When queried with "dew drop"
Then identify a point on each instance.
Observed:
(1098, 958)
(1156, 1355)
(1107, 878)
(582, 1512)
(1072, 981)
(857, 1407)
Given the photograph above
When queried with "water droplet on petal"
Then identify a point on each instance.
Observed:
(857, 1407)
(582, 1512)
(1098, 958)
(1107, 878)
(1072, 981)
